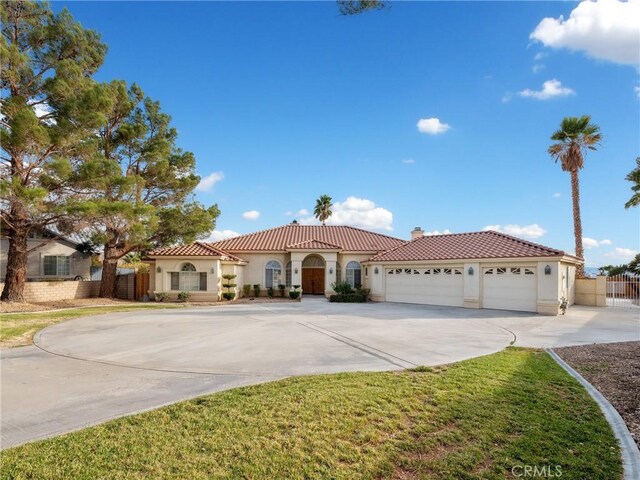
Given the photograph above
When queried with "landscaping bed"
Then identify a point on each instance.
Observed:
(613, 369)
(16, 307)
(485, 418)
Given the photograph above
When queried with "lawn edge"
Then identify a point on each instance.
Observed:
(628, 448)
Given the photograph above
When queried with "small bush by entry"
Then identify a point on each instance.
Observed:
(348, 298)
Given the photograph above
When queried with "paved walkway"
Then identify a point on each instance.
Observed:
(89, 370)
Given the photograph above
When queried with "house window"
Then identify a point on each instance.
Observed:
(354, 274)
(57, 265)
(288, 274)
(338, 272)
(188, 279)
(273, 273)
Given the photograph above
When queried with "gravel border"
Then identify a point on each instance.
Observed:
(628, 447)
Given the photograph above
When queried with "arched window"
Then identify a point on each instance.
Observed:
(354, 274)
(338, 272)
(288, 275)
(188, 279)
(273, 274)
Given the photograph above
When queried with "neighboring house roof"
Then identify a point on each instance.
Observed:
(313, 245)
(458, 246)
(285, 237)
(195, 249)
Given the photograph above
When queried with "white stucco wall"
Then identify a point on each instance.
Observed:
(543, 295)
(80, 264)
(174, 264)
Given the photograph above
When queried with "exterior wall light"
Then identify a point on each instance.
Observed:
(295, 270)
(376, 271)
(470, 271)
(213, 269)
(547, 270)
(159, 269)
(331, 271)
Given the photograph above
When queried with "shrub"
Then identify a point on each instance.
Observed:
(281, 288)
(270, 292)
(161, 296)
(183, 296)
(348, 298)
(293, 294)
(229, 295)
(341, 288)
(246, 290)
(256, 289)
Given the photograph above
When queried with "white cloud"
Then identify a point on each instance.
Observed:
(593, 243)
(218, 235)
(357, 212)
(507, 97)
(251, 215)
(537, 68)
(556, 195)
(432, 126)
(623, 254)
(590, 242)
(604, 29)
(540, 55)
(528, 231)
(206, 183)
(550, 89)
(409, 161)
(446, 231)
(637, 91)
(304, 211)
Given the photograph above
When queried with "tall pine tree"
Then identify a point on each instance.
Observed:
(47, 64)
(141, 183)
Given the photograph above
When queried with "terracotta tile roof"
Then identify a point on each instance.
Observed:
(313, 245)
(281, 238)
(195, 249)
(458, 246)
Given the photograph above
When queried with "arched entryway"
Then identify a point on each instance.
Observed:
(313, 268)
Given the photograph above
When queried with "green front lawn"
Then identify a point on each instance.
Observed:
(18, 329)
(475, 419)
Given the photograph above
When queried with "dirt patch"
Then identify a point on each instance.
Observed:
(614, 369)
(12, 307)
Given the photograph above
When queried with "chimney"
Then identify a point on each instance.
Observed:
(417, 233)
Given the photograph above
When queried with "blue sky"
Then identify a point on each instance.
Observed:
(282, 102)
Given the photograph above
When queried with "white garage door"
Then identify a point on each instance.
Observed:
(510, 288)
(430, 286)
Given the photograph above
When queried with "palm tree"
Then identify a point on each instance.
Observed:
(634, 177)
(575, 136)
(323, 208)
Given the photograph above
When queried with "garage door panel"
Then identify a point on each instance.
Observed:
(510, 288)
(413, 285)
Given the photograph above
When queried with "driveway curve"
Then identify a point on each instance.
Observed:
(92, 369)
(278, 339)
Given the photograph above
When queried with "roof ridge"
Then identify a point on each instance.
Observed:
(527, 242)
(313, 240)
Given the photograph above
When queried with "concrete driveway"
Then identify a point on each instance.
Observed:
(89, 370)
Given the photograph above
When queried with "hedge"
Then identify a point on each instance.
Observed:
(348, 298)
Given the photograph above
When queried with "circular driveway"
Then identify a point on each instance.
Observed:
(313, 336)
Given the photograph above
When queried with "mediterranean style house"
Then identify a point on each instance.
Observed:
(50, 257)
(475, 270)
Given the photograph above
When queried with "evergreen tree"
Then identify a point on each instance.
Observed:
(140, 183)
(47, 61)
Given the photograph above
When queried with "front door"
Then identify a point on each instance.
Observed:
(313, 281)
